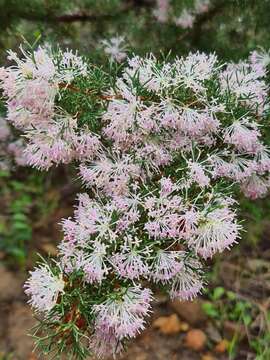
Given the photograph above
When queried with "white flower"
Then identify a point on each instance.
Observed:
(115, 48)
(94, 267)
(195, 69)
(217, 232)
(166, 265)
(124, 316)
(188, 283)
(44, 288)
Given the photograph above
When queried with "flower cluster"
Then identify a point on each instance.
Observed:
(32, 88)
(172, 140)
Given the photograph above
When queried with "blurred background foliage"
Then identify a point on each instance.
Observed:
(231, 27)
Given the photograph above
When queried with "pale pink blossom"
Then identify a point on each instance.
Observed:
(243, 135)
(130, 265)
(201, 6)
(124, 317)
(216, 232)
(115, 48)
(188, 282)
(44, 287)
(94, 267)
(166, 265)
(194, 69)
(246, 84)
(198, 174)
(254, 187)
(104, 342)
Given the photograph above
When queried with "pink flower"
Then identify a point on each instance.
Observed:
(124, 317)
(164, 216)
(260, 59)
(201, 6)
(104, 342)
(111, 174)
(197, 174)
(195, 123)
(86, 145)
(130, 265)
(246, 84)
(216, 231)
(166, 265)
(243, 135)
(94, 266)
(4, 130)
(254, 187)
(43, 287)
(161, 11)
(115, 48)
(187, 283)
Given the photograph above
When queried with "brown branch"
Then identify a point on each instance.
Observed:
(70, 18)
(132, 4)
(84, 16)
(89, 92)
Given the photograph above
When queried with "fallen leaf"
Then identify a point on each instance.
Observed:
(195, 339)
(168, 324)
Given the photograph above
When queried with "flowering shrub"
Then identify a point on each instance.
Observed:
(161, 146)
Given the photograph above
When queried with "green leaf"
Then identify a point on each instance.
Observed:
(210, 310)
(218, 293)
(231, 295)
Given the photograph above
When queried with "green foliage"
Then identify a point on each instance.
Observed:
(23, 205)
(224, 305)
(15, 230)
(261, 346)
